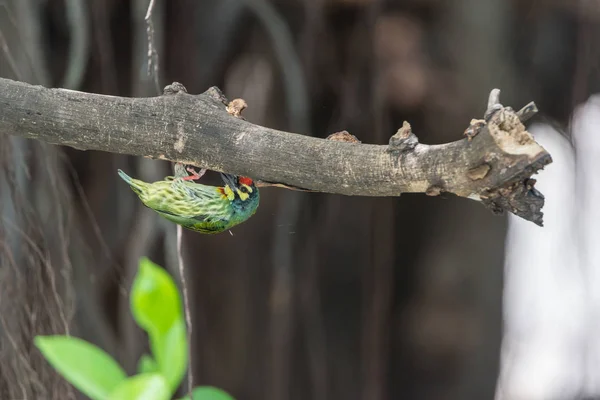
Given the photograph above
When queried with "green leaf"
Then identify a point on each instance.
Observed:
(170, 351)
(208, 393)
(146, 364)
(156, 307)
(155, 300)
(87, 367)
(142, 387)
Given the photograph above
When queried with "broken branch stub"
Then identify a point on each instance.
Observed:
(403, 140)
(516, 155)
(493, 167)
(499, 156)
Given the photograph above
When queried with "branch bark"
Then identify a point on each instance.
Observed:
(492, 165)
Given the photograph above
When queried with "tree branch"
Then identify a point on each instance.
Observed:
(492, 165)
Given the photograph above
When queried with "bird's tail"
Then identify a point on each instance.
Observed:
(136, 185)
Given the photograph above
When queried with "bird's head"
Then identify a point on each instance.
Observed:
(240, 190)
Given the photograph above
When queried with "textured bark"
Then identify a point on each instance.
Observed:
(493, 165)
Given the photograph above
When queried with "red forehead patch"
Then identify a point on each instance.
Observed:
(245, 180)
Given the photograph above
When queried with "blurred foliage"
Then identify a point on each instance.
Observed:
(156, 305)
(86, 366)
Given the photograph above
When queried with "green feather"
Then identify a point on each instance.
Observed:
(194, 206)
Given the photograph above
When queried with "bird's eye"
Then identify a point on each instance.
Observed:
(243, 189)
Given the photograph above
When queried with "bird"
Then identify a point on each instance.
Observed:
(200, 208)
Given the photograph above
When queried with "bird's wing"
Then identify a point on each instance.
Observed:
(196, 190)
(182, 200)
(200, 202)
(179, 218)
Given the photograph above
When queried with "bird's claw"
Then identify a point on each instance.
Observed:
(195, 174)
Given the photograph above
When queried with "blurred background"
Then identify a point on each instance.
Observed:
(317, 296)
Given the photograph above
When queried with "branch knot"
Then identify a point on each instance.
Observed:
(343, 136)
(403, 140)
(236, 106)
(216, 94)
(174, 88)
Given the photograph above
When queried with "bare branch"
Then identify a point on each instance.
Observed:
(152, 53)
(9, 57)
(179, 170)
(197, 130)
(79, 43)
(188, 316)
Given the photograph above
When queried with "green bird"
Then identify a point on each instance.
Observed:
(201, 208)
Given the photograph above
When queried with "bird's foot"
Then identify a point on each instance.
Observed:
(195, 174)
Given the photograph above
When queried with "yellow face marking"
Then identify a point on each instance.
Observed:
(243, 196)
(229, 193)
(244, 192)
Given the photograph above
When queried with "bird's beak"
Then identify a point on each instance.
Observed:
(230, 180)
